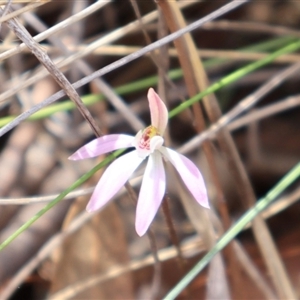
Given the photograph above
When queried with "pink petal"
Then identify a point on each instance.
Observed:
(113, 179)
(151, 193)
(158, 110)
(104, 144)
(189, 173)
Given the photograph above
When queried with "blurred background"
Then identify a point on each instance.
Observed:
(69, 254)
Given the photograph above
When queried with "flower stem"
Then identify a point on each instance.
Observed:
(173, 236)
(153, 245)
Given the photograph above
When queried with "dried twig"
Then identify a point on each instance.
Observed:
(20, 11)
(241, 107)
(59, 77)
(232, 5)
(251, 26)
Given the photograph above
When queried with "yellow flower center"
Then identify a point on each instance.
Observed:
(148, 133)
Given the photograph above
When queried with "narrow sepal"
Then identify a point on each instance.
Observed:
(151, 193)
(102, 145)
(189, 173)
(114, 177)
(158, 111)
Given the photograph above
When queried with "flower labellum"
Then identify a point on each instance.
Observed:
(147, 143)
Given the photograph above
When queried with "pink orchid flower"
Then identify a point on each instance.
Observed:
(147, 142)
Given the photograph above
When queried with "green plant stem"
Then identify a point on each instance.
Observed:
(76, 184)
(146, 82)
(285, 182)
(233, 77)
(125, 89)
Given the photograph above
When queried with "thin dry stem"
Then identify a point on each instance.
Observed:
(172, 233)
(153, 245)
(232, 5)
(164, 254)
(59, 77)
(82, 66)
(60, 26)
(121, 50)
(18, 12)
(263, 237)
(251, 26)
(186, 49)
(241, 107)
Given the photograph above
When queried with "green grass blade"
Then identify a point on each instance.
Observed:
(285, 182)
(124, 89)
(141, 84)
(234, 77)
(76, 184)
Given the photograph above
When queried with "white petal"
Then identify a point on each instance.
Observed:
(156, 142)
(113, 179)
(189, 173)
(104, 144)
(151, 193)
(158, 110)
